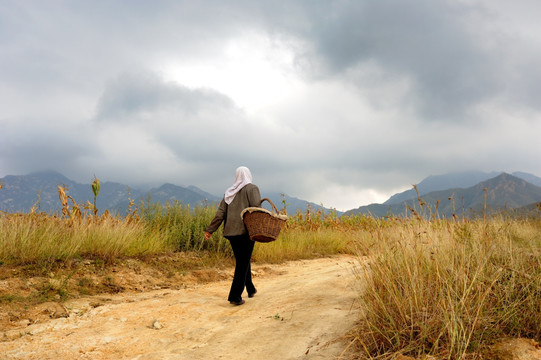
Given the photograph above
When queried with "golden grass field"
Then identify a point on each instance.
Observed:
(446, 288)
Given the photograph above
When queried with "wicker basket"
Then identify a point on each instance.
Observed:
(262, 225)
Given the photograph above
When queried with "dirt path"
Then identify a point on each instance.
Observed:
(302, 310)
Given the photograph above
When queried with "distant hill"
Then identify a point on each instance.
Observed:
(532, 179)
(39, 190)
(293, 204)
(169, 193)
(504, 191)
(442, 182)
(516, 191)
(21, 193)
(205, 194)
(454, 180)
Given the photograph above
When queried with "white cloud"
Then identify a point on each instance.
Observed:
(255, 70)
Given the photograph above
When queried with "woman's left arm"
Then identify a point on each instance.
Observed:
(254, 197)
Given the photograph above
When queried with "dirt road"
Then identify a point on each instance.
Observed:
(302, 310)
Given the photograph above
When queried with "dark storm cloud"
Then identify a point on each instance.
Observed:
(453, 56)
(433, 45)
(43, 147)
(129, 97)
(194, 124)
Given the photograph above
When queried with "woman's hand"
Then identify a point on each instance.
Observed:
(207, 235)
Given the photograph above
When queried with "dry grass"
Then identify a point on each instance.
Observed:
(314, 234)
(448, 289)
(443, 288)
(35, 238)
(295, 244)
(153, 229)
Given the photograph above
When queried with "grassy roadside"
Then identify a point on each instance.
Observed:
(41, 239)
(47, 257)
(449, 289)
(440, 288)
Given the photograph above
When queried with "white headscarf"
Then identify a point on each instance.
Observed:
(243, 176)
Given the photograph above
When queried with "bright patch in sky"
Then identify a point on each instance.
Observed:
(344, 198)
(254, 71)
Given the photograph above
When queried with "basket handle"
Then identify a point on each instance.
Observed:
(272, 204)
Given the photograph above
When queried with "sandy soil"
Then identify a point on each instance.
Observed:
(302, 310)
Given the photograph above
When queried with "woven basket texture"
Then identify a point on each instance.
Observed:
(263, 226)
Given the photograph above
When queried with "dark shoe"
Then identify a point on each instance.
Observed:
(251, 295)
(237, 302)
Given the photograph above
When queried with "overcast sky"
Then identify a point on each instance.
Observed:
(342, 103)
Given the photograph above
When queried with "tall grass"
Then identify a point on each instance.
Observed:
(79, 232)
(154, 228)
(294, 244)
(313, 233)
(432, 286)
(35, 238)
(183, 227)
(151, 228)
(449, 288)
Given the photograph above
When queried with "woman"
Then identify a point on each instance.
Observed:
(238, 197)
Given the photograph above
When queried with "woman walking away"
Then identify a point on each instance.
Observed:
(238, 197)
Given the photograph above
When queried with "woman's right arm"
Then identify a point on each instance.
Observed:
(218, 218)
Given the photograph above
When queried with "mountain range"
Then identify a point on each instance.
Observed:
(460, 194)
(20, 193)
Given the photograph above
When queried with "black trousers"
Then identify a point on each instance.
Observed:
(242, 248)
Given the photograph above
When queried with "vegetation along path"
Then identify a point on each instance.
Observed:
(303, 310)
